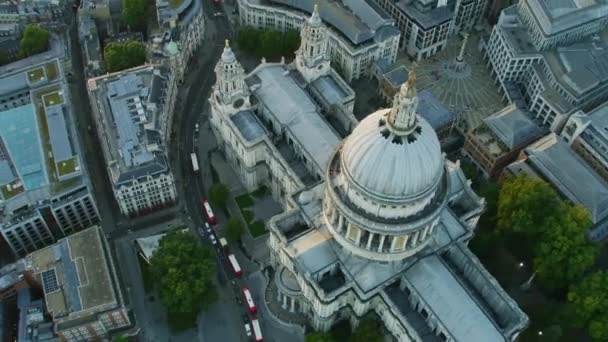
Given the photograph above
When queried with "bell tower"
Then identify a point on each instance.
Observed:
(230, 93)
(312, 59)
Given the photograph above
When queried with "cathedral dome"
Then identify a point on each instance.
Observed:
(393, 154)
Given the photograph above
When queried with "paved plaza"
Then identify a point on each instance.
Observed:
(468, 91)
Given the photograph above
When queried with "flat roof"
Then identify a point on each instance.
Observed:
(248, 125)
(554, 16)
(75, 275)
(295, 110)
(58, 131)
(19, 130)
(453, 306)
(313, 251)
(426, 20)
(559, 164)
(358, 20)
(582, 66)
(514, 127)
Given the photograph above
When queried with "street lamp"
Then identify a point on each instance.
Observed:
(540, 333)
(521, 264)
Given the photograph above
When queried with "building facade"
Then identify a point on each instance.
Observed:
(182, 24)
(426, 25)
(131, 113)
(360, 32)
(376, 220)
(45, 190)
(552, 64)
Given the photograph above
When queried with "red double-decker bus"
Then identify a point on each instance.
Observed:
(210, 216)
(249, 299)
(257, 331)
(236, 268)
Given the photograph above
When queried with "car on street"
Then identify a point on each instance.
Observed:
(212, 239)
(208, 229)
(201, 231)
(248, 329)
(245, 318)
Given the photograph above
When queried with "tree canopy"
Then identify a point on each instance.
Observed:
(35, 40)
(369, 330)
(551, 230)
(184, 271)
(234, 229)
(524, 205)
(589, 301)
(318, 337)
(120, 56)
(134, 14)
(564, 254)
(218, 194)
(268, 43)
(4, 57)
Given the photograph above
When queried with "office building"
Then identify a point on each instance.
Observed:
(359, 32)
(131, 114)
(45, 190)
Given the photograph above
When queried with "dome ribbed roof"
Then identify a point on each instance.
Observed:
(391, 166)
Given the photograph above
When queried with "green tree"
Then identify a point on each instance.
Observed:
(318, 337)
(35, 40)
(589, 301)
(218, 194)
(120, 56)
(469, 169)
(4, 58)
(184, 272)
(234, 229)
(134, 14)
(291, 42)
(247, 38)
(524, 205)
(564, 254)
(369, 330)
(120, 339)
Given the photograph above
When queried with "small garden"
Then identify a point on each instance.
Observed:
(245, 202)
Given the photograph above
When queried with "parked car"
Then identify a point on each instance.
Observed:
(248, 329)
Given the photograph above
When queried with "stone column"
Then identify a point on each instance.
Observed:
(347, 230)
(460, 57)
(340, 223)
(292, 306)
(382, 238)
(369, 240)
(405, 239)
(359, 235)
(284, 305)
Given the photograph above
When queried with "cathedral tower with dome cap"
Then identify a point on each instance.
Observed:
(312, 59)
(230, 91)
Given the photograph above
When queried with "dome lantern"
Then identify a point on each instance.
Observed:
(402, 118)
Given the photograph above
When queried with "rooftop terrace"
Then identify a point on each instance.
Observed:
(75, 275)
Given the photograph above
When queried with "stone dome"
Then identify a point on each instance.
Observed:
(391, 167)
(394, 154)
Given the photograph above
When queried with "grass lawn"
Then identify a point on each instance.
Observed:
(67, 166)
(10, 193)
(51, 71)
(146, 274)
(35, 75)
(257, 228)
(53, 98)
(244, 201)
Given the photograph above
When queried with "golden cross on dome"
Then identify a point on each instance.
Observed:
(227, 43)
(411, 75)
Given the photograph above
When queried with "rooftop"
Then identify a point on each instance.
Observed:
(453, 306)
(428, 19)
(75, 275)
(131, 103)
(358, 20)
(295, 110)
(433, 111)
(555, 16)
(553, 159)
(514, 127)
(248, 125)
